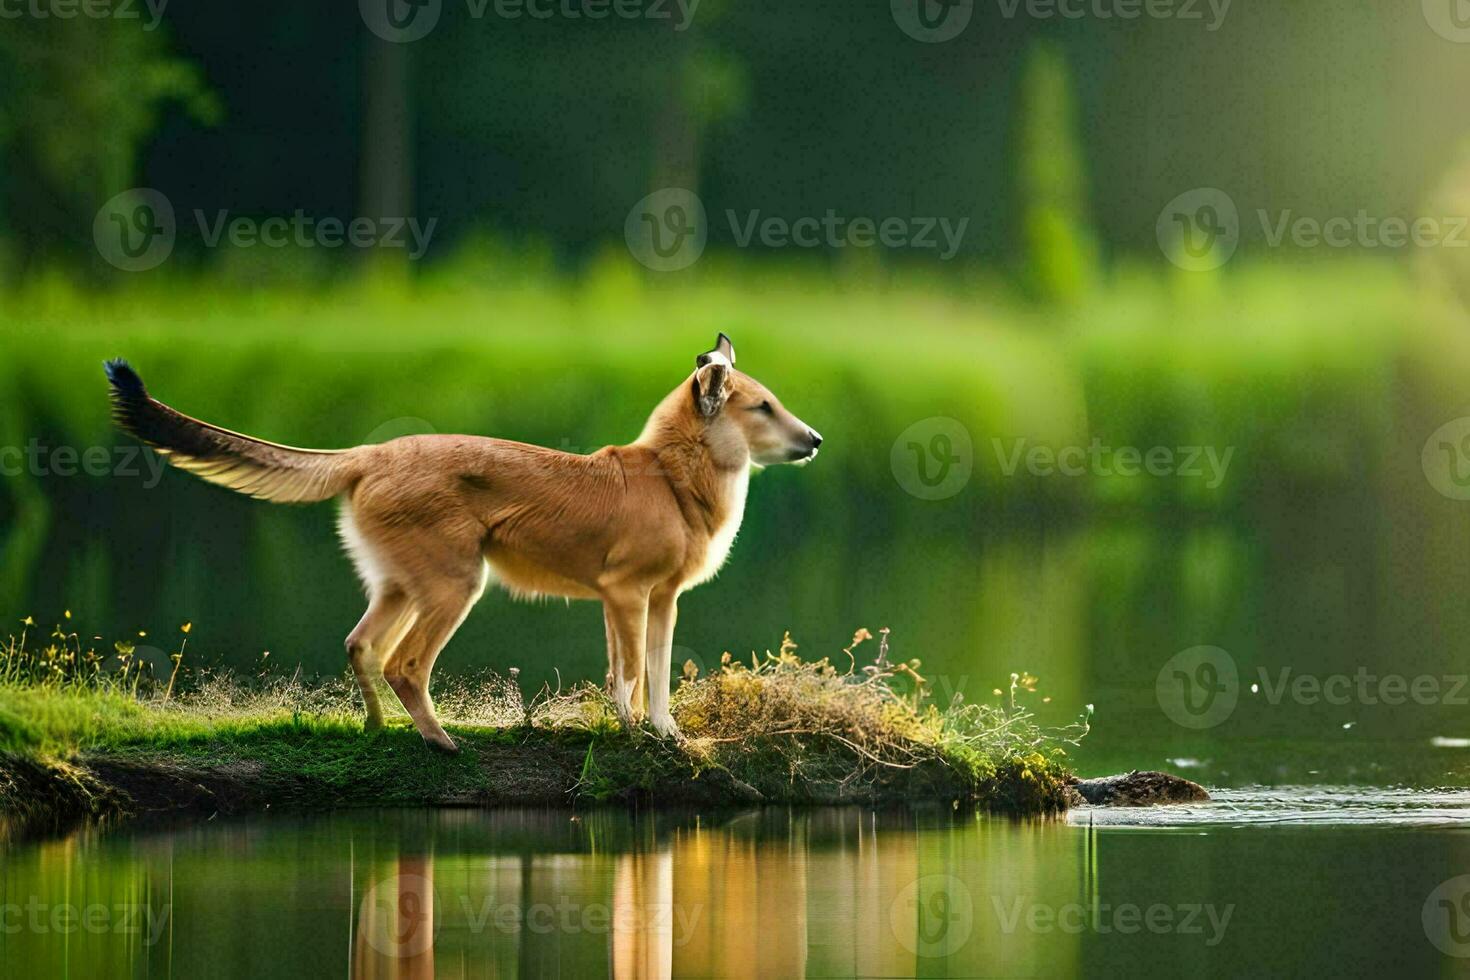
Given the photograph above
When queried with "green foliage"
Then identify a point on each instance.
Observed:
(714, 85)
(1446, 268)
(81, 96)
(1058, 243)
(578, 365)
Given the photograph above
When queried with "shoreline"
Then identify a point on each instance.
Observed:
(496, 768)
(42, 795)
(778, 731)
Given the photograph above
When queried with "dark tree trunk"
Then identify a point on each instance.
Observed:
(386, 175)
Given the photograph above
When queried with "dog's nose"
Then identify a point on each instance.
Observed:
(816, 438)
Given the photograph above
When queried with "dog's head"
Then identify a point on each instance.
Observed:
(739, 409)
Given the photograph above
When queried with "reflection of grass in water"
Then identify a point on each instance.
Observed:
(779, 729)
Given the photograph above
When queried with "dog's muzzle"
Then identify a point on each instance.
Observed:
(807, 455)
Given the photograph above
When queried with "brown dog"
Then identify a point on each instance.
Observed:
(424, 516)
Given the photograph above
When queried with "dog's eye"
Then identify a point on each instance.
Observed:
(766, 407)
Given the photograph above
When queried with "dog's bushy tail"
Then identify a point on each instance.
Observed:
(252, 466)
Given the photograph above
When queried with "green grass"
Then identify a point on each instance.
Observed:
(84, 740)
(1237, 356)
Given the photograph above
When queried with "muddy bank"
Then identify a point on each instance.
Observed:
(534, 768)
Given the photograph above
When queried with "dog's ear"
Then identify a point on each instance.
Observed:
(711, 386)
(723, 348)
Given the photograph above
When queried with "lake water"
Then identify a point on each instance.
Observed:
(1285, 880)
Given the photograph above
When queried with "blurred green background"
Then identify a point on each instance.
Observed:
(1324, 547)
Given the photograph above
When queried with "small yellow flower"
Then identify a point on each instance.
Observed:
(28, 621)
(142, 632)
(67, 614)
(186, 627)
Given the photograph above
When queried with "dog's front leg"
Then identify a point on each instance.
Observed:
(663, 609)
(626, 614)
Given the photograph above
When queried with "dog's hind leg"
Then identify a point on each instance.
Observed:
(372, 641)
(441, 608)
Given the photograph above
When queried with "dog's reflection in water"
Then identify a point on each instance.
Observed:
(399, 918)
(395, 922)
(643, 915)
(738, 908)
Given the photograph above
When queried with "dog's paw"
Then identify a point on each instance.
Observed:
(666, 726)
(447, 746)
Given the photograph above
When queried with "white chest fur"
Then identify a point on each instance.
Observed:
(723, 537)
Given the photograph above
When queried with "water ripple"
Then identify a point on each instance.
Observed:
(1297, 806)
